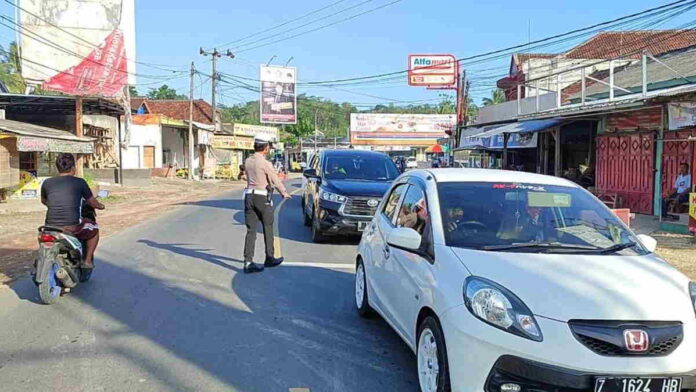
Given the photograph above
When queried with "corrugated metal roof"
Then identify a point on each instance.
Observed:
(26, 129)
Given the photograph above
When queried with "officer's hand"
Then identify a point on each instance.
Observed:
(286, 196)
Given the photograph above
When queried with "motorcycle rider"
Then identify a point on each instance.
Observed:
(63, 195)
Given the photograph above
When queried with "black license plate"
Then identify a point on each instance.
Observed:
(637, 384)
(362, 226)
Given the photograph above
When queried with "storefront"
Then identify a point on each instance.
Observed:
(229, 152)
(28, 154)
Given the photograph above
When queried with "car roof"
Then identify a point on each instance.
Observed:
(352, 152)
(491, 175)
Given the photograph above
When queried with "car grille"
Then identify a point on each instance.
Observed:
(359, 206)
(606, 337)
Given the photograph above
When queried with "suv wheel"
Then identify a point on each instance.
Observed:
(317, 235)
(307, 218)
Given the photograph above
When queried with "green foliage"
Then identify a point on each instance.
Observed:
(90, 180)
(11, 69)
(165, 92)
(497, 96)
(133, 91)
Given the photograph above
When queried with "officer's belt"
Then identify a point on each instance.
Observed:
(253, 191)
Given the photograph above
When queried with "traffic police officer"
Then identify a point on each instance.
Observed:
(261, 180)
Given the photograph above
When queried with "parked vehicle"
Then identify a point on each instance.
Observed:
(60, 256)
(343, 190)
(411, 163)
(507, 281)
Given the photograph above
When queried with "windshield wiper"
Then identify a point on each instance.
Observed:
(540, 245)
(617, 247)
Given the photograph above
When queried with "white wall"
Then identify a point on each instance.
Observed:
(140, 136)
(536, 68)
(173, 147)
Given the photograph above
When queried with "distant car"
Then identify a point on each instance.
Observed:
(505, 281)
(343, 190)
(411, 163)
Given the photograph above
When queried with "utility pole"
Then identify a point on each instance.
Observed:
(79, 133)
(215, 77)
(190, 130)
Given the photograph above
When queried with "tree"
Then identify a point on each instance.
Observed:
(164, 92)
(11, 69)
(497, 96)
(133, 91)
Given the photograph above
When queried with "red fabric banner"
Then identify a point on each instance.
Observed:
(102, 73)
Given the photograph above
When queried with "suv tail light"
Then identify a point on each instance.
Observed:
(45, 238)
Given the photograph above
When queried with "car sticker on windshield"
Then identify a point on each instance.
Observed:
(540, 199)
(536, 188)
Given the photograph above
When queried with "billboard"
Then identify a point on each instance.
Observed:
(432, 70)
(278, 97)
(264, 132)
(84, 47)
(681, 115)
(399, 129)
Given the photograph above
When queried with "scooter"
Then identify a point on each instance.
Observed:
(57, 268)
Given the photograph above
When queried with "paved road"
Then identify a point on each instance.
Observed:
(168, 309)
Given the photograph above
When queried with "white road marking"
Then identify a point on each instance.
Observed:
(276, 234)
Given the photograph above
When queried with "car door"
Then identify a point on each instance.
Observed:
(411, 271)
(377, 233)
(312, 187)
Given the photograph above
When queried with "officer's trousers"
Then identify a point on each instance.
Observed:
(257, 209)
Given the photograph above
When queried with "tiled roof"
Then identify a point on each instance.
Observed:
(136, 102)
(179, 109)
(614, 44)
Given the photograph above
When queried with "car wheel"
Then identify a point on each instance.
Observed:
(433, 369)
(361, 302)
(317, 235)
(307, 218)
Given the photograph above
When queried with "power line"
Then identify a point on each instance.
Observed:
(322, 27)
(280, 25)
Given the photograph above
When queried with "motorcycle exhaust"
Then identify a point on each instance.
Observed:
(65, 278)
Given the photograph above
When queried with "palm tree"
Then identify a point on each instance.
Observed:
(497, 96)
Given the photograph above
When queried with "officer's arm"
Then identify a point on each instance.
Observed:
(274, 180)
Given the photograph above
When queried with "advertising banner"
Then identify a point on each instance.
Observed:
(681, 115)
(233, 142)
(278, 96)
(399, 129)
(264, 132)
(692, 213)
(432, 70)
(86, 47)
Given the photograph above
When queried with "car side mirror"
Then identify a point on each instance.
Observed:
(103, 194)
(648, 242)
(404, 238)
(310, 173)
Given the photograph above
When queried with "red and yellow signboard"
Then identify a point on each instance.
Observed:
(229, 142)
(692, 213)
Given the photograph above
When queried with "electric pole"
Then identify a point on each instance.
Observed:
(215, 77)
(190, 130)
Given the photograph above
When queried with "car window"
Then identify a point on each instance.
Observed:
(413, 212)
(360, 168)
(482, 215)
(393, 201)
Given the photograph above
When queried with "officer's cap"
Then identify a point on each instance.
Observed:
(260, 142)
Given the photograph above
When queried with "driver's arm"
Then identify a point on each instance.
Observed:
(89, 197)
(94, 203)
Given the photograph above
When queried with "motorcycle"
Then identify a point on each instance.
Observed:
(60, 256)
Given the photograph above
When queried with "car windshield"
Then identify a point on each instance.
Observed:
(531, 218)
(360, 168)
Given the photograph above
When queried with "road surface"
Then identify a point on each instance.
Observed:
(169, 309)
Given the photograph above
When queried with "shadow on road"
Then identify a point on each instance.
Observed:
(200, 254)
(284, 328)
(291, 226)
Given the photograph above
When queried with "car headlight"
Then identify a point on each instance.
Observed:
(328, 196)
(692, 291)
(499, 307)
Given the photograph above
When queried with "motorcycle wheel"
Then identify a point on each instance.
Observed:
(49, 289)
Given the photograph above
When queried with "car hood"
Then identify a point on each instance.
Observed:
(357, 188)
(565, 287)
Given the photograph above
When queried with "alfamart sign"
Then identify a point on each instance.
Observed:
(432, 70)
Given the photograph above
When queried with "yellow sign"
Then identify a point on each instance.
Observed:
(233, 142)
(28, 187)
(268, 133)
(692, 205)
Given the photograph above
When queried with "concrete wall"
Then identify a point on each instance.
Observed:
(131, 177)
(141, 136)
(173, 147)
(508, 110)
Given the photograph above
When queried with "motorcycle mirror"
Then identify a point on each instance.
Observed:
(103, 194)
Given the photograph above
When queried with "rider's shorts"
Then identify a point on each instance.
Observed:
(86, 230)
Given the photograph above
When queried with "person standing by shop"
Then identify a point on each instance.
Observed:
(258, 207)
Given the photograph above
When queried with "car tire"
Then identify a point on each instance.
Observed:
(433, 367)
(317, 236)
(307, 219)
(361, 301)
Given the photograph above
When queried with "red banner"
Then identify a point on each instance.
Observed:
(102, 73)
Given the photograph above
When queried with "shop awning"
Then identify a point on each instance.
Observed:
(32, 137)
(521, 127)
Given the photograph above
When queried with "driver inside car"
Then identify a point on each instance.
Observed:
(63, 195)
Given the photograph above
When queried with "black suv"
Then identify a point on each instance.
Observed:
(344, 188)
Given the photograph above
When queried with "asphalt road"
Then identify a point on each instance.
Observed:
(169, 309)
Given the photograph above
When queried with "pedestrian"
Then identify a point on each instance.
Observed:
(680, 192)
(258, 207)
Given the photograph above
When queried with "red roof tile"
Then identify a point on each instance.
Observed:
(179, 109)
(614, 44)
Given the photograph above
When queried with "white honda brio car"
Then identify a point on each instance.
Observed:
(505, 281)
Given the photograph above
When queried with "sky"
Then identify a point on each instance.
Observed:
(170, 33)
